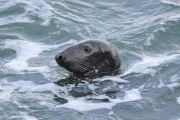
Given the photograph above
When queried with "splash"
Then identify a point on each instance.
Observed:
(81, 104)
(25, 50)
(148, 64)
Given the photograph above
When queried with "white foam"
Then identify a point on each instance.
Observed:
(12, 89)
(161, 83)
(11, 19)
(29, 86)
(178, 100)
(6, 90)
(81, 104)
(164, 17)
(174, 82)
(111, 113)
(151, 36)
(146, 65)
(39, 9)
(158, 20)
(117, 79)
(132, 95)
(25, 116)
(26, 50)
(175, 78)
(171, 2)
(173, 85)
(49, 105)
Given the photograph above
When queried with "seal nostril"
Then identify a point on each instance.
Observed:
(61, 58)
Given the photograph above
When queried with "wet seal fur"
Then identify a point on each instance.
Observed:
(90, 58)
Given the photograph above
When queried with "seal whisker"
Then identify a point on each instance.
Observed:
(85, 65)
(82, 67)
(79, 68)
(74, 67)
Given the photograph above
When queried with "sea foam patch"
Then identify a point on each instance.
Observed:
(24, 116)
(26, 50)
(44, 93)
(172, 86)
(82, 104)
(10, 90)
(116, 79)
(146, 66)
(178, 100)
(39, 9)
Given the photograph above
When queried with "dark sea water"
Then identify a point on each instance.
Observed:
(146, 34)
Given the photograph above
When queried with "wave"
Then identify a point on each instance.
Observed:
(26, 50)
(81, 104)
(148, 64)
(31, 8)
(11, 90)
(17, 90)
(171, 2)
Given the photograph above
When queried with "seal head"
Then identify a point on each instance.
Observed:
(90, 57)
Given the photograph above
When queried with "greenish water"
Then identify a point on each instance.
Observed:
(145, 32)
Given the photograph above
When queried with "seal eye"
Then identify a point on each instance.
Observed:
(87, 48)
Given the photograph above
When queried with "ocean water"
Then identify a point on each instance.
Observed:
(146, 34)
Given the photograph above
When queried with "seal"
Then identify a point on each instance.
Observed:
(89, 58)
